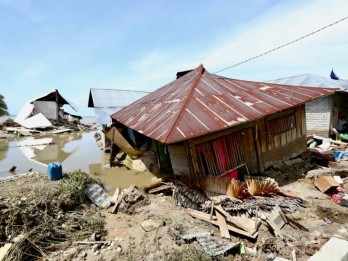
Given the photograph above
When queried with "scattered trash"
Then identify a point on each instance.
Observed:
(212, 245)
(12, 169)
(326, 183)
(98, 195)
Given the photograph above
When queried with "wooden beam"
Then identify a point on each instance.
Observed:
(206, 217)
(115, 196)
(222, 225)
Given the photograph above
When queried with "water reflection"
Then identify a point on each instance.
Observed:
(74, 151)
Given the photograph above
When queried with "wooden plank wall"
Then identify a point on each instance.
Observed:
(283, 146)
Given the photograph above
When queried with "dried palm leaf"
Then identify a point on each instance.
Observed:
(262, 187)
(236, 189)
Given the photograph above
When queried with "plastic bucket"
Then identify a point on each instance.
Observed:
(55, 171)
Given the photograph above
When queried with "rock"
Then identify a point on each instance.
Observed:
(96, 253)
(83, 254)
(95, 247)
(108, 248)
(132, 195)
(92, 237)
(149, 225)
(118, 249)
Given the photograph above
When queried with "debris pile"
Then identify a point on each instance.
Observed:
(36, 213)
(333, 188)
(323, 150)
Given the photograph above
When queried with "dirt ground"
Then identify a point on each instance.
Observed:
(125, 238)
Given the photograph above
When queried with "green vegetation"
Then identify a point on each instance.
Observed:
(3, 106)
(40, 213)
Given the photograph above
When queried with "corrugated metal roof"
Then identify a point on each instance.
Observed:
(109, 98)
(312, 80)
(199, 103)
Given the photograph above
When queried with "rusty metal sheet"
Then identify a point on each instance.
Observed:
(200, 103)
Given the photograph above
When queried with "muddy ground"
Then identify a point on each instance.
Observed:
(124, 237)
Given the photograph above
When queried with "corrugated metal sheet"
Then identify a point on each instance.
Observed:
(199, 103)
(109, 98)
(312, 80)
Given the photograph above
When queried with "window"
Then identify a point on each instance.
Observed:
(281, 124)
(220, 156)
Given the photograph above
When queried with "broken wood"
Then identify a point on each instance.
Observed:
(90, 242)
(154, 184)
(295, 224)
(116, 137)
(277, 218)
(222, 225)
(244, 223)
(160, 189)
(206, 217)
(115, 196)
(4, 250)
(114, 208)
(211, 210)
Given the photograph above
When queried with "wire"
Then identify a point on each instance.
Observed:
(281, 46)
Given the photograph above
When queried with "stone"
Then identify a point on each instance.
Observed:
(149, 225)
(118, 249)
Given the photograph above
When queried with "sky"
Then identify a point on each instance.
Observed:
(139, 45)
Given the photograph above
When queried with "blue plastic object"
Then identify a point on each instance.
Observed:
(55, 171)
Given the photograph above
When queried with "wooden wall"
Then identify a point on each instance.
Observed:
(284, 146)
(261, 150)
(178, 159)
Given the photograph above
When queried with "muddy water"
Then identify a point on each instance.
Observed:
(74, 151)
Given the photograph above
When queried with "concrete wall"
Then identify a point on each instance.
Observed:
(48, 108)
(318, 116)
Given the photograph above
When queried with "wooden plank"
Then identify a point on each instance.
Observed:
(4, 250)
(222, 225)
(205, 217)
(116, 137)
(283, 139)
(246, 224)
(160, 189)
(114, 208)
(115, 196)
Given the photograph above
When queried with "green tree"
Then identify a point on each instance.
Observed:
(3, 106)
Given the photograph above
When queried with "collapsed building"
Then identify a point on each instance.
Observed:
(212, 126)
(46, 111)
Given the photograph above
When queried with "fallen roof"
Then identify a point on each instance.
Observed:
(200, 103)
(312, 80)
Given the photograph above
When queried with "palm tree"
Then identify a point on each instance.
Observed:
(3, 106)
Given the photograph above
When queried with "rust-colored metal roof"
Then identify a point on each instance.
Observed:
(199, 103)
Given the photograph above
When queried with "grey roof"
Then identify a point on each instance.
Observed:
(110, 98)
(312, 80)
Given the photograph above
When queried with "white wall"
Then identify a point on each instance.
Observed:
(47, 108)
(318, 116)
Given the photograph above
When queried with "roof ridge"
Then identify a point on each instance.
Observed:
(193, 87)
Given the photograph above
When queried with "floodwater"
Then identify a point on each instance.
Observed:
(74, 151)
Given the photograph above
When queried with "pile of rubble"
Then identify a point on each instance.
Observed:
(9, 129)
(323, 150)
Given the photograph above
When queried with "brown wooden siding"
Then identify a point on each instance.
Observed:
(260, 149)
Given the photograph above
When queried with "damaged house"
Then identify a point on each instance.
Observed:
(105, 102)
(322, 114)
(215, 126)
(44, 111)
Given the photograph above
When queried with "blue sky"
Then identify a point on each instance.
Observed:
(76, 45)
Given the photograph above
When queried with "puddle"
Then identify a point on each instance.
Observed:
(74, 151)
